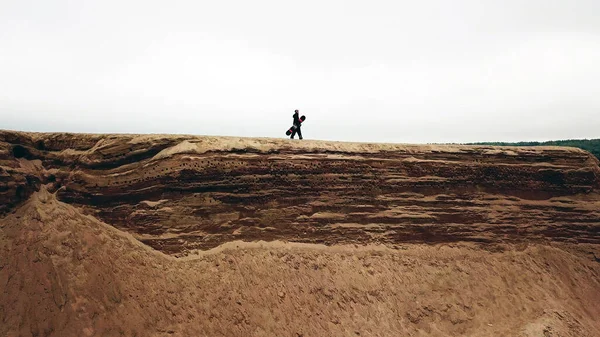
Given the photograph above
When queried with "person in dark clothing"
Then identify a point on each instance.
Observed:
(297, 124)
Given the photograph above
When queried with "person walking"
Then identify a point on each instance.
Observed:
(297, 124)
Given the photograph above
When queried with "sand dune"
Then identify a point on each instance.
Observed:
(131, 235)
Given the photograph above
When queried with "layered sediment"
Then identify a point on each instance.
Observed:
(182, 193)
(169, 235)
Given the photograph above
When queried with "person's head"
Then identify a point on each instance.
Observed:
(296, 111)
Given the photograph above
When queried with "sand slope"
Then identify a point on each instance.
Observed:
(66, 274)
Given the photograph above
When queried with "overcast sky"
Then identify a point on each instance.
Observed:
(372, 71)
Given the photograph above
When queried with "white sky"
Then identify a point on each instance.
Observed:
(373, 71)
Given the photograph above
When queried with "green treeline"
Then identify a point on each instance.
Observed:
(591, 145)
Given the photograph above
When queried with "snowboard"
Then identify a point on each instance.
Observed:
(290, 130)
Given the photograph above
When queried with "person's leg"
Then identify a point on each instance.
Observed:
(293, 133)
(299, 133)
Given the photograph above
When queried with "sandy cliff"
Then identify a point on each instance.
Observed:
(154, 235)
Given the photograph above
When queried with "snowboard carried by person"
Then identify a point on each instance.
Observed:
(296, 125)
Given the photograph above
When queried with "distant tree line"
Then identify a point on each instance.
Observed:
(591, 145)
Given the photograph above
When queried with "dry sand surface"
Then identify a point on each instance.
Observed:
(71, 275)
(81, 256)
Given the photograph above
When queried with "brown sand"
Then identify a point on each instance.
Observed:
(71, 275)
(430, 260)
